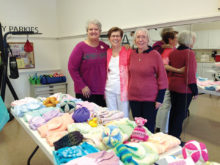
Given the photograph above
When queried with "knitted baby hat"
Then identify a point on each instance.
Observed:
(139, 133)
(111, 135)
(67, 106)
(71, 139)
(81, 115)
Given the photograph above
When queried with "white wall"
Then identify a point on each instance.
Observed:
(41, 14)
(65, 48)
(72, 14)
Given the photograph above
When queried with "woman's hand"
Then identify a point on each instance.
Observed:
(181, 70)
(195, 97)
(86, 92)
(127, 46)
(157, 105)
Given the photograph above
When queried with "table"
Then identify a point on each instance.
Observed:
(48, 150)
(41, 142)
(202, 90)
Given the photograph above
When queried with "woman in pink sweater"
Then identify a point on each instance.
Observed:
(117, 73)
(147, 80)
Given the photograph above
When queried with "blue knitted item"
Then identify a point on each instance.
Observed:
(66, 154)
(210, 88)
(111, 135)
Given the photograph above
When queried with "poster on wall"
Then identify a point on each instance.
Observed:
(24, 54)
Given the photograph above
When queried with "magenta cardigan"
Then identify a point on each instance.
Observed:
(124, 56)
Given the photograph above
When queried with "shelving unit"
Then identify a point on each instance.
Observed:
(47, 90)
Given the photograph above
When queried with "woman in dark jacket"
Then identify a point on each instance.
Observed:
(182, 86)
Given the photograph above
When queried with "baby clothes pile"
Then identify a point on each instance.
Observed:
(81, 131)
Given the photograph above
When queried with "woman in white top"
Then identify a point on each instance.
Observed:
(117, 73)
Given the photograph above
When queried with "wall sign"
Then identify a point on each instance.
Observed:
(20, 28)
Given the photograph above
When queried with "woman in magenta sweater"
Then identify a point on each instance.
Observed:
(87, 64)
(147, 80)
(182, 86)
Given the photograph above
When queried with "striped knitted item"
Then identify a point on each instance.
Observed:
(124, 154)
(139, 133)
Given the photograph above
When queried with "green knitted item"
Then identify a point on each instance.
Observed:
(67, 106)
(144, 155)
(124, 154)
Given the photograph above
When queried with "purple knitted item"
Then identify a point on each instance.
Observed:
(51, 114)
(81, 115)
(36, 122)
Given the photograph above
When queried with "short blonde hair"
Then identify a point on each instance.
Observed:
(95, 22)
(186, 38)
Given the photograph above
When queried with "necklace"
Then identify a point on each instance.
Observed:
(139, 57)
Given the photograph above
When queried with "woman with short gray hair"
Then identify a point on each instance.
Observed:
(94, 22)
(87, 65)
(182, 86)
(187, 38)
(147, 80)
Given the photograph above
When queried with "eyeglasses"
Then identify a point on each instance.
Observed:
(115, 36)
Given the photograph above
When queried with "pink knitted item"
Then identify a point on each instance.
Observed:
(196, 150)
(56, 124)
(139, 133)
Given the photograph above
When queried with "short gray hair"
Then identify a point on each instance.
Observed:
(186, 38)
(143, 30)
(95, 22)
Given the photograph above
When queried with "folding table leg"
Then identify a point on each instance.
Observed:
(32, 154)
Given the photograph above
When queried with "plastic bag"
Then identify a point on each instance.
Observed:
(4, 115)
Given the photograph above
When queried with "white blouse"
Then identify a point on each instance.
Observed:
(113, 77)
